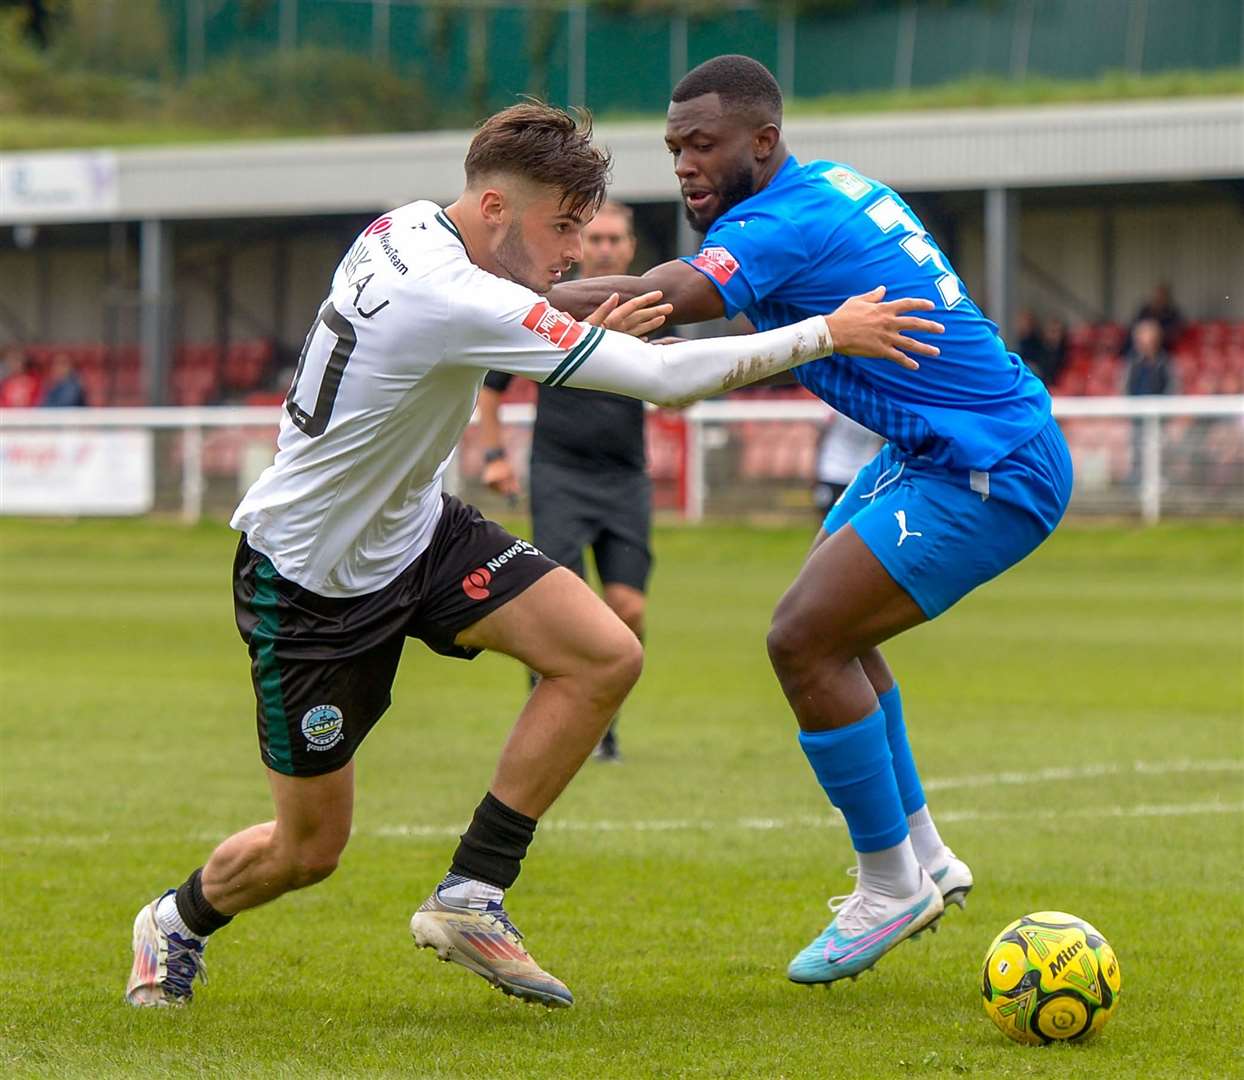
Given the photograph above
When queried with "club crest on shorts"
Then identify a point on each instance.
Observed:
(322, 727)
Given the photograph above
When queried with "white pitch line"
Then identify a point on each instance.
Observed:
(816, 821)
(826, 821)
(1082, 772)
(807, 821)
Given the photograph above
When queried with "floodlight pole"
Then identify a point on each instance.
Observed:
(155, 274)
(1001, 261)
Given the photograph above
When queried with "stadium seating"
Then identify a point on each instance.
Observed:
(1207, 359)
(201, 374)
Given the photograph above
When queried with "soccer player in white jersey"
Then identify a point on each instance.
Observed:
(350, 545)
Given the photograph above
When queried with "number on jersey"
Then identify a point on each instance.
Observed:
(315, 423)
(887, 215)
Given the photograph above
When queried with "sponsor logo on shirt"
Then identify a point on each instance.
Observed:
(718, 263)
(381, 227)
(556, 327)
(852, 185)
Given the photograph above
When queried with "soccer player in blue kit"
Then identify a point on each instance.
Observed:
(975, 473)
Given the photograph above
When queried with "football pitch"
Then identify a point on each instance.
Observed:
(1079, 725)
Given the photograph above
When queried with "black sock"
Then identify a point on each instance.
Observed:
(194, 909)
(492, 848)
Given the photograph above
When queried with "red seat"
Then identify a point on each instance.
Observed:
(1071, 383)
(1110, 337)
(95, 386)
(246, 364)
(1081, 338)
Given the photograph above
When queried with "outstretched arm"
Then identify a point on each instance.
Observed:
(865, 325)
(693, 296)
(676, 375)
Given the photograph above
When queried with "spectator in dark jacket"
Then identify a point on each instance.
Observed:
(64, 387)
(1053, 351)
(1027, 338)
(1148, 363)
(1161, 308)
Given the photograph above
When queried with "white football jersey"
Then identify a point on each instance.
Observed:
(387, 382)
(385, 386)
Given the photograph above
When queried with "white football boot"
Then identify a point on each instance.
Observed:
(165, 965)
(952, 876)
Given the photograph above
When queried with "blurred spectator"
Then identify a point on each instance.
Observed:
(1042, 347)
(1053, 350)
(19, 381)
(1148, 363)
(1027, 337)
(1161, 308)
(65, 389)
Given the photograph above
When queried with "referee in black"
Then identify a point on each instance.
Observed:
(589, 476)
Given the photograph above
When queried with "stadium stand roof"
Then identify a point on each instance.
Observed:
(1042, 146)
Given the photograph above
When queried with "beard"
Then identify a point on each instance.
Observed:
(513, 258)
(734, 189)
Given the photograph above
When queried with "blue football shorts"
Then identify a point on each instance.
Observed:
(941, 532)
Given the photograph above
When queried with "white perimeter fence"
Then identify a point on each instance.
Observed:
(1141, 457)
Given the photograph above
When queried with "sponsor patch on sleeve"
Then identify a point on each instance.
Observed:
(556, 327)
(381, 224)
(718, 263)
(852, 185)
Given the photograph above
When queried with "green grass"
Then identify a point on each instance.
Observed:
(127, 749)
(28, 132)
(24, 130)
(992, 91)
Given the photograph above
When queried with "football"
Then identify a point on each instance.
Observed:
(1050, 976)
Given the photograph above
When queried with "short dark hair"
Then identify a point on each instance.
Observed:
(743, 84)
(548, 146)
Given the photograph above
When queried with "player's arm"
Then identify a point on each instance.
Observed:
(677, 375)
(595, 358)
(498, 471)
(693, 296)
(866, 325)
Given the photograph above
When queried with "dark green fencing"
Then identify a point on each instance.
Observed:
(479, 54)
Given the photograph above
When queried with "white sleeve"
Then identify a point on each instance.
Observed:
(498, 325)
(675, 375)
(505, 327)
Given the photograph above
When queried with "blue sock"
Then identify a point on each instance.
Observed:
(905, 774)
(853, 765)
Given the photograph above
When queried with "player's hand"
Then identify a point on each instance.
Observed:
(637, 317)
(865, 326)
(500, 476)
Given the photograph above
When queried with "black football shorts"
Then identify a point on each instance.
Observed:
(574, 509)
(323, 667)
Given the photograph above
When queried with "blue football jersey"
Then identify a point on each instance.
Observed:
(820, 233)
